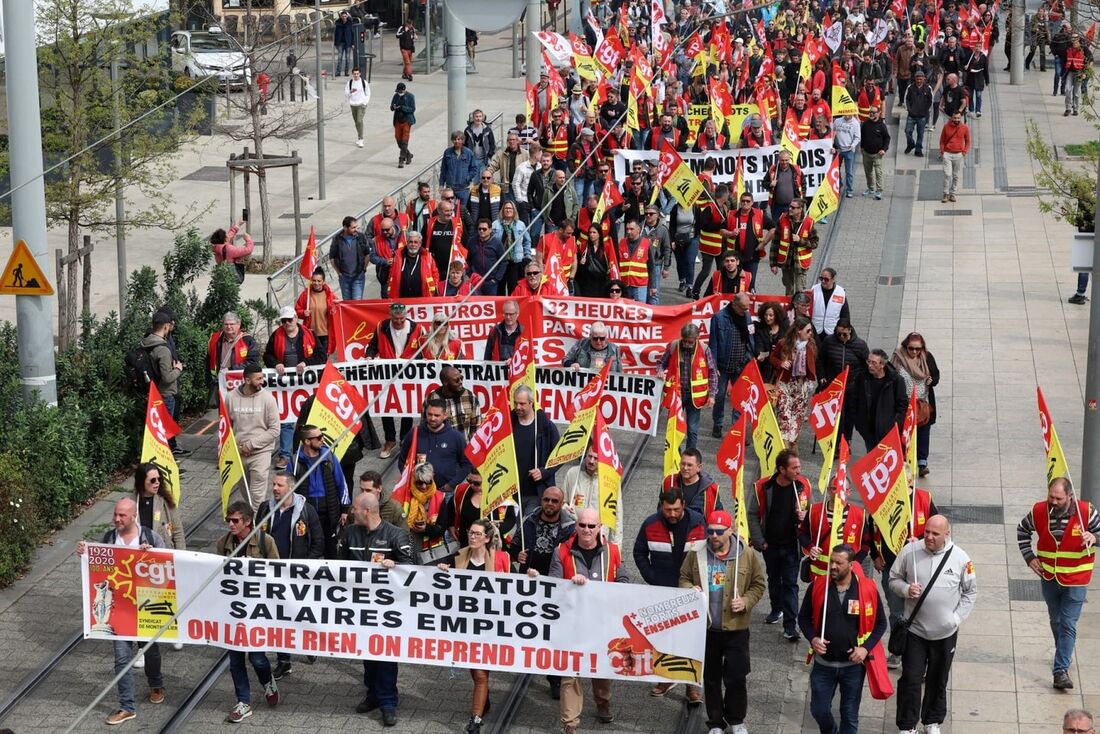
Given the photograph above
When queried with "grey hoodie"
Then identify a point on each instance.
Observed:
(951, 598)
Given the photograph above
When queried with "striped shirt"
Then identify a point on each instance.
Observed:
(1058, 522)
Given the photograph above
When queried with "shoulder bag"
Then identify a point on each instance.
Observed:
(899, 632)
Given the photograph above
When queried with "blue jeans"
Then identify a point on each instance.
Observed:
(1059, 76)
(924, 434)
(124, 650)
(779, 210)
(975, 104)
(685, 260)
(919, 123)
(462, 193)
(1082, 283)
(1064, 609)
(719, 409)
(824, 681)
(380, 679)
(691, 415)
(583, 187)
(286, 439)
(655, 298)
(751, 268)
(639, 293)
(170, 406)
(343, 60)
(351, 286)
(535, 229)
(781, 563)
(848, 159)
(237, 671)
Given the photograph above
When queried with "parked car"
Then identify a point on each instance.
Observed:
(201, 54)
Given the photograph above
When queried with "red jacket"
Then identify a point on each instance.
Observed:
(955, 138)
(429, 274)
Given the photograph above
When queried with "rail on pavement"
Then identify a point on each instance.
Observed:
(283, 285)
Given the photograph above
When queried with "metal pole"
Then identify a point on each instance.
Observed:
(120, 201)
(320, 107)
(534, 60)
(1016, 76)
(428, 37)
(37, 370)
(1074, 17)
(456, 72)
(1090, 443)
(573, 16)
(515, 50)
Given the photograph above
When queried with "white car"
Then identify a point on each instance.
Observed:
(210, 53)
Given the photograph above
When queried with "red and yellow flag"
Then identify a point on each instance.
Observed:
(750, 397)
(731, 460)
(492, 451)
(739, 178)
(230, 464)
(880, 478)
(521, 370)
(790, 141)
(825, 410)
(1056, 458)
(609, 474)
(309, 257)
(909, 435)
(160, 428)
(840, 497)
(337, 406)
(582, 59)
(609, 54)
(675, 429)
(826, 200)
(677, 177)
(575, 439)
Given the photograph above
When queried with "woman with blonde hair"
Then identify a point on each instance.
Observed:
(482, 554)
(795, 361)
(917, 367)
(441, 345)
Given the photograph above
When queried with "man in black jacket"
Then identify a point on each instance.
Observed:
(370, 539)
(882, 400)
(294, 526)
(918, 103)
(843, 349)
(875, 140)
(325, 488)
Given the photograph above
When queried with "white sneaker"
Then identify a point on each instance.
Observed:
(359, 142)
(177, 646)
(739, 729)
(931, 729)
(716, 730)
(140, 661)
(907, 731)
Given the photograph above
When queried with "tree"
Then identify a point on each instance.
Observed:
(78, 41)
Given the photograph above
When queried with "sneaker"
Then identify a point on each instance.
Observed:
(907, 731)
(474, 725)
(389, 717)
(952, 197)
(661, 690)
(848, 195)
(909, 148)
(603, 713)
(400, 161)
(359, 143)
(156, 695)
(979, 114)
(1062, 681)
(867, 192)
(367, 705)
(377, 34)
(694, 695)
(717, 730)
(239, 713)
(919, 153)
(923, 471)
(790, 636)
(773, 618)
(281, 463)
(181, 452)
(271, 693)
(878, 196)
(1078, 299)
(282, 670)
(177, 646)
(139, 662)
(931, 729)
(1075, 113)
(893, 662)
(388, 447)
(739, 729)
(1065, 114)
(120, 716)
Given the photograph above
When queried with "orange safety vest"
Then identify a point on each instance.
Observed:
(1069, 562)
(762, 498)
(700, 374)
(429, 277)
(569, 566)
(755, 219)
(805, 120)
(852, 534)
(741, 285)
(922, 504)
(1075, 59)
(557, 141)
(634, 264)
(786, 229)
(866, 104)
(711, 241)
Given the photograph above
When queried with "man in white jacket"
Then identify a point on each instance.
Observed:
(357, 93)
(934, 630)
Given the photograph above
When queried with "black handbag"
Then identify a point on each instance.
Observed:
(899, 631)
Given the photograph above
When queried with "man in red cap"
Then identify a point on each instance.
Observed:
(732, 576)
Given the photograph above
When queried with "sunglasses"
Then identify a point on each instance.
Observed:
(387, 230)
(533, 273)
(285, 321)
(716, 531)
(234, 520)
(154, 480)
(598, 338)
(615, 290)
(588, 525)
(474, 484)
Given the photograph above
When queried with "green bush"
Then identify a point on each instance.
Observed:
(52, 459)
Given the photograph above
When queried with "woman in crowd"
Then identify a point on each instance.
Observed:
(463, 508)
(512, 233)
(917, 367)
(157, 511)
(482, 553)
(795, 362)
(772, 325)
(596, 261)
(441, 345)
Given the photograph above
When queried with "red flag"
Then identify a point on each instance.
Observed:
(309, 257)
(695, 45)
(839, 77)
(748, 394)
(843, 458)
(826, 405)
(403, 486)
(827, 20)
(1090, 34)
(731, 454)
(899, 8)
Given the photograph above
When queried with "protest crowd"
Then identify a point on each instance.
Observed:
(696, 143)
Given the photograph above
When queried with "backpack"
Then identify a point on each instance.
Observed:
(139, 368)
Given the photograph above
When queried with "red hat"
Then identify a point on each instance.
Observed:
(720, 517)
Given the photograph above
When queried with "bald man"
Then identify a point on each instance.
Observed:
(129, 534)
(939, 572)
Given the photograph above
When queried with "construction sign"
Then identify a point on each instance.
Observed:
(22, 276)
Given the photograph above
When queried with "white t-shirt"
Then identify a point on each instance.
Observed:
(357, 92)
(400, 338)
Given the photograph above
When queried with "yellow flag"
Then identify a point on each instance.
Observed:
(827, 199)
(609, 473)
(677, 177)
(1056, 458)
(843, 104)
(675, 431)
(521, 371)
(575, 439)
(767, 440)
(230, 465)
(492, 450)
(805, 69)
(632, 123)
(155, 449)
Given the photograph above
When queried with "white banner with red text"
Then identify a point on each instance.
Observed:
(409, 614)
(813, 158)
(630, 402)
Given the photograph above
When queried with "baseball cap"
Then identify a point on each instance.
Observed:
(286, 312)
(396, 308)
(720, 517)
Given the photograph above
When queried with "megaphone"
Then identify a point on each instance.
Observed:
(479, 15)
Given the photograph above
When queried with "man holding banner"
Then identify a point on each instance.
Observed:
(1063, 559)
(734, 585)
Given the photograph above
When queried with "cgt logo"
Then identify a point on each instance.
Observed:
(877, 480)
(156, 422)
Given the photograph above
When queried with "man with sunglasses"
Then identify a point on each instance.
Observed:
(291, 347)
(587, 556)
(484, 199)
(830, 304)
(732, 576)
(748, 231)
(486, 258)
(325, 488)
(594, 351)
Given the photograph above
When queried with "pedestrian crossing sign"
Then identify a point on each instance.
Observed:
(22, 276)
